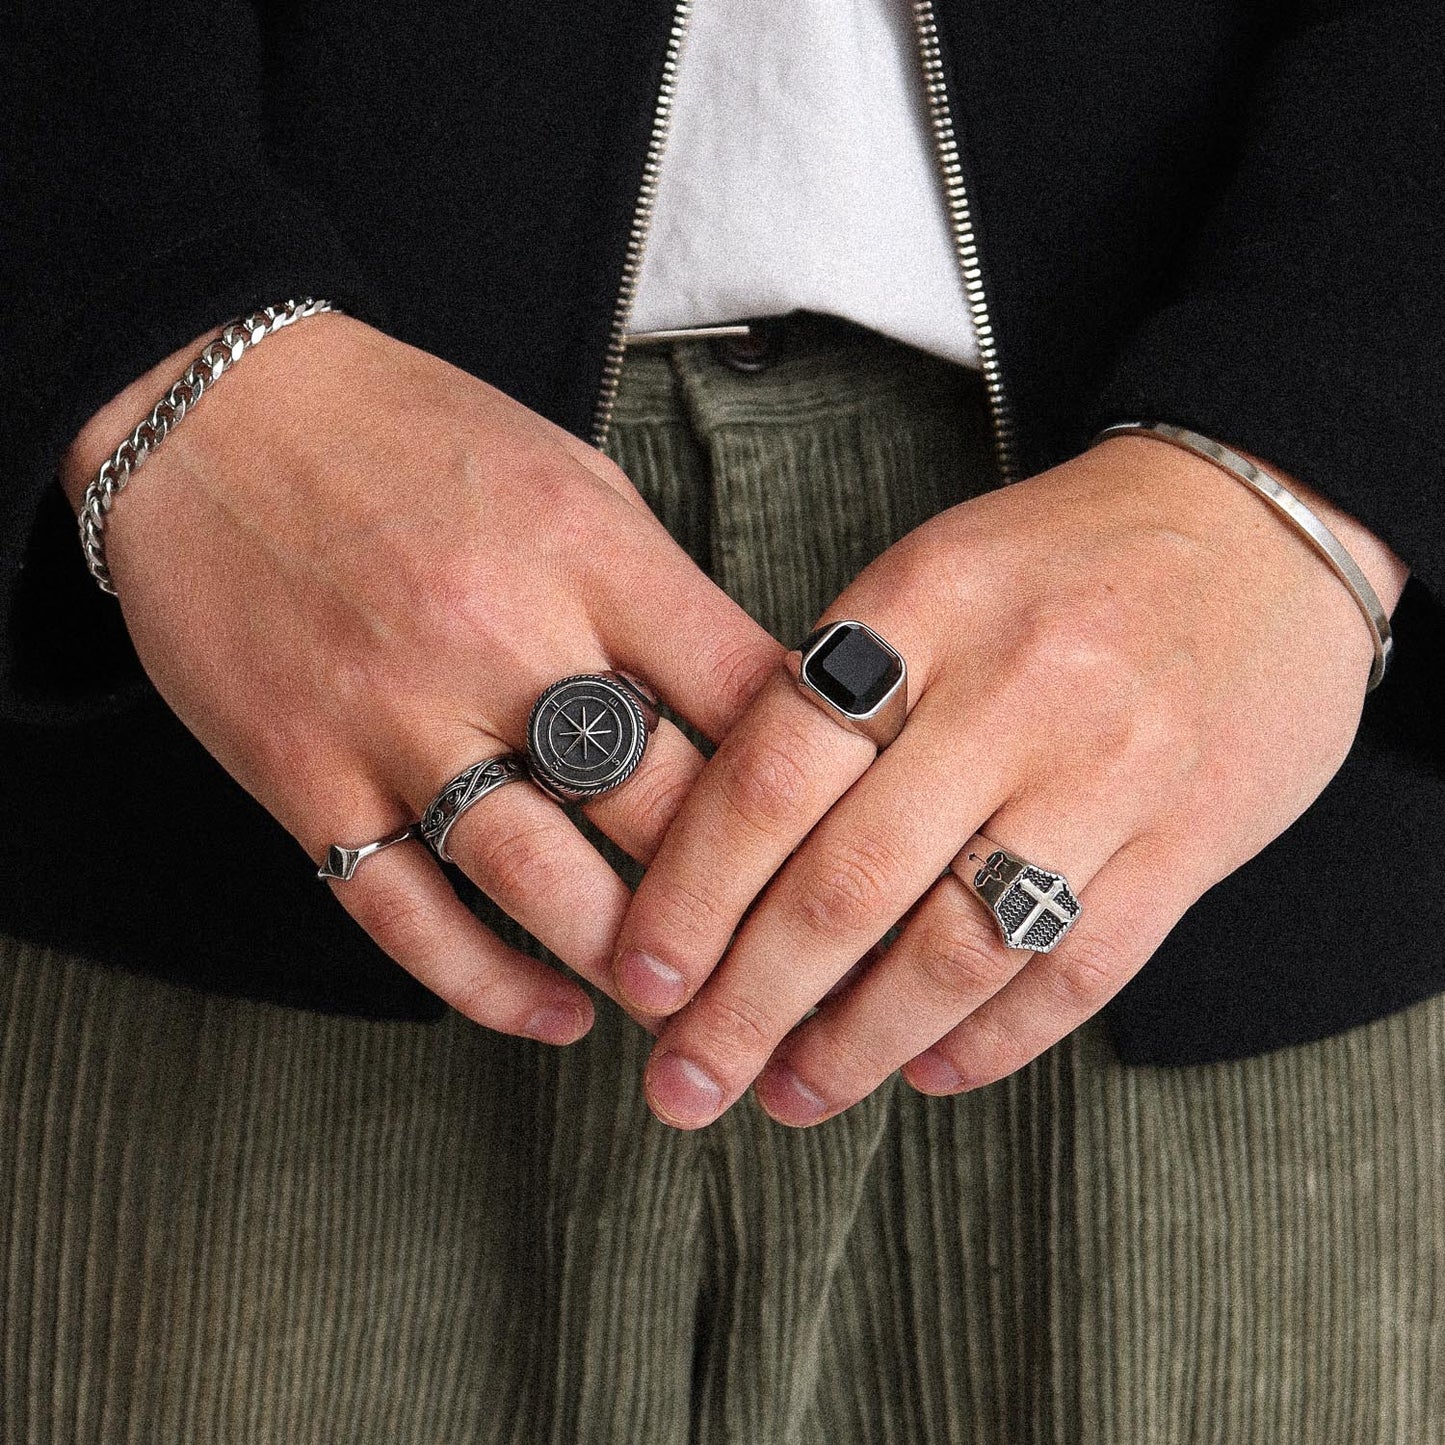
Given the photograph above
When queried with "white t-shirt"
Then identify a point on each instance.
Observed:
(799, 172)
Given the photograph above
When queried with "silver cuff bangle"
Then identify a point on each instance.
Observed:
(1294, 511)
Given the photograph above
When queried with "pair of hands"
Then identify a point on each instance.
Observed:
(352, 570)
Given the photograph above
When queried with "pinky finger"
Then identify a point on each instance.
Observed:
(405, 903)
(1129, 908)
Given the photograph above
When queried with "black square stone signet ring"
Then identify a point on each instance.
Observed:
(860, 681)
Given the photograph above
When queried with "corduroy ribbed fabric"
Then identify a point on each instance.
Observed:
(227, 1222)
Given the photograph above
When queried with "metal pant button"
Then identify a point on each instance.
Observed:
(746, 354)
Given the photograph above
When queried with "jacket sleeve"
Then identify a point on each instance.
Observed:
(1309, 325)
(140, 210)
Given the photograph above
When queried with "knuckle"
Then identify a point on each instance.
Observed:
(566, 494)
(1088, 973)
(399, 919)
(483, 998)
(1122, 742)
(914, 569)
(1164, 731)
(1134, 699)
(847, 891)
(683, 916)
(452, 605)
(1150, 742)
(960, 960)
(843, 1062)
(741, 668)
(550, 519)
(652, 799)
(994, 1051)
(544, 472)
(512, 862)
(733, 1027)
(1088, 648)
(765, 785)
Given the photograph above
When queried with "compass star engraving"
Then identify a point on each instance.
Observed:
(580, 730)
(585, 736)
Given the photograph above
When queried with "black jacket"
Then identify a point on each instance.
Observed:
(1224, 213)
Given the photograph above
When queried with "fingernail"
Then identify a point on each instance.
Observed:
(787, 1098)
(555, 1023)
(649, 983)
(681, 1091)
(931, 1073)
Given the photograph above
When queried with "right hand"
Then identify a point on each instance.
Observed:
(350, 571)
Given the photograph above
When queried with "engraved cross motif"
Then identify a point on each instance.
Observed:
(1034, 907)
(1048, 900)
(1038, 909)
(992, 871)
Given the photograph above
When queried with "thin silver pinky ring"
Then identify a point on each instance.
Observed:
(469, 786)
(1034, 907)
(342, 862)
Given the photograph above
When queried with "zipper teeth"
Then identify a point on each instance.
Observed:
(965, 242)
(641, 222)
(956, 198)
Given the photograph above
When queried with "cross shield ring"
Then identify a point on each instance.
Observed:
(1034, 907)
(587, 734)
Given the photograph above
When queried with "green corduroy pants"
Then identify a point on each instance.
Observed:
(225, 1223)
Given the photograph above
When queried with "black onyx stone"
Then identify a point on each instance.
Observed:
(852, 671)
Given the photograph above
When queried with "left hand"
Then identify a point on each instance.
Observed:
(1127, 669)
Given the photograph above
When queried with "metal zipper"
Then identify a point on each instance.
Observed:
(965, 242)
(641, 221)
(956, 198)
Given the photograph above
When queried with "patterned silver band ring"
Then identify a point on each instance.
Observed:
(1034, 907)
(342, 862)
(469, 786)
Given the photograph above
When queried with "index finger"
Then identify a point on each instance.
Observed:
(668, 623)
(775, 775)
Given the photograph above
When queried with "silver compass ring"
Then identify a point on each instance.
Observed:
(1034, 907)
(469, 787)
(587, 733)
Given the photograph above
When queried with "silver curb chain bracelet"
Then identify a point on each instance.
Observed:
(219, 356)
